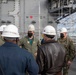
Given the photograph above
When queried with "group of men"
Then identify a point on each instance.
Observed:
(28, 56)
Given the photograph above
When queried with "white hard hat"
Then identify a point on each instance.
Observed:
(49, 30)
(10, 31)
(31, 27)
(63, 30)
(2, 28)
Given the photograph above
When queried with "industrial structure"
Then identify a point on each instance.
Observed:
(39, 12)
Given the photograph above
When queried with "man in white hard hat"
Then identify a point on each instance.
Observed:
(50, 55)
(13, 59)
(30, 42)
(1, 30)
(70, 49)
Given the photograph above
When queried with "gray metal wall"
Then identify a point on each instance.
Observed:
(19, 12)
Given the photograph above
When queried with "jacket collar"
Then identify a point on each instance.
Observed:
(51, 41)
(9, 44)
(28, 37)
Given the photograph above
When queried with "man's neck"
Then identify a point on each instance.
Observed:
(31, 37)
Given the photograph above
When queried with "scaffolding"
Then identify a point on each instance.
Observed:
(61, 8)
(70, 23)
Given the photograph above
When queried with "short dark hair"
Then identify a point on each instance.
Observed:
(50, 36)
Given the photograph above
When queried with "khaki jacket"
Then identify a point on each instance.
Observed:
(24, 43)
(1, 41)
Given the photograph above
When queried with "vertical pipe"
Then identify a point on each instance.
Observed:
(24, 16)
(39, 19)
(60, 10)
(0, 12)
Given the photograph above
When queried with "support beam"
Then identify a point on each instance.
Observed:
(15, 13)
(0, 12)
(4, 1)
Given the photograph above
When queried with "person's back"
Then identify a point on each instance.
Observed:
(53, 56)
(50, 55)
(13, 59)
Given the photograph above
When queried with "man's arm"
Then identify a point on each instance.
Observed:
(32, 67)
(40, 60)
(72, 69)
(71, 50)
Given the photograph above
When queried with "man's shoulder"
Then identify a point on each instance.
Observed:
(59, 39)
(69, 39)
(24, 50)
(36, 39)
(24, 38)
(55, 44)
(23, 53)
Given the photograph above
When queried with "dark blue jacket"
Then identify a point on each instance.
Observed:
(15, 60)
